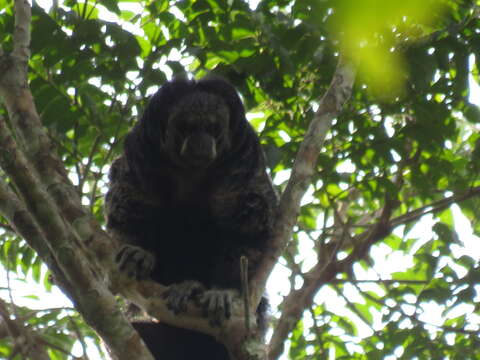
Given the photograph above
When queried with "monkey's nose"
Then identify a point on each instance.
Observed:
(199, 149)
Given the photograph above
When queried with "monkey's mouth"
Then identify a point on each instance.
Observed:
(199, 150)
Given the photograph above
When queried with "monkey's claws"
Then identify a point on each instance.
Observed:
(216, 305)
(179, 294)
(134, 261)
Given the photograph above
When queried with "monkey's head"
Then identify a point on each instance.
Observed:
(189, 123)
(197, 130)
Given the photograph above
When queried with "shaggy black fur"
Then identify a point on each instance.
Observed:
(189, 196)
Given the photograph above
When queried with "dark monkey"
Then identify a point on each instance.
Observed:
(188, 197)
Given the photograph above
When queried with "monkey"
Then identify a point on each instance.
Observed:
(190, 195)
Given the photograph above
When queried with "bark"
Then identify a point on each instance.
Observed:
(53, 222)
(303, 169)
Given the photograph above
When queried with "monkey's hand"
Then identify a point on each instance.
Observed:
(217, 304)
(179, 294)
(136, 262)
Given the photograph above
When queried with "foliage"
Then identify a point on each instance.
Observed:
(409, 135)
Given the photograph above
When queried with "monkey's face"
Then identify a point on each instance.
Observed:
(198, 130)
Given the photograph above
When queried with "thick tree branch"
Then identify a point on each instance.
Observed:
(86, 288)
(232, 333)
(37, 201)
(23, 224)
(303, 169)
(21, 34)
(47, 193)
(35, 142)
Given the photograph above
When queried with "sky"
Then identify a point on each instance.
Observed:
(387, 262)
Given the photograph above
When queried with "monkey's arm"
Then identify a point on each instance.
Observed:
(247, 208)
(131, 220)
(245, 211)
(128, 220)
(246, 202)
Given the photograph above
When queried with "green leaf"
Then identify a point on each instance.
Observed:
(472, 113)
(111, 5)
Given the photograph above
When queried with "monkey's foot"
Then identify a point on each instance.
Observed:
(179, 294)
(134, 261)
(217, 305)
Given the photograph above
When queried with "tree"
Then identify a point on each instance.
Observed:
(375, 155)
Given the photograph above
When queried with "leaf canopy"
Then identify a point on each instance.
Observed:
(409, 134)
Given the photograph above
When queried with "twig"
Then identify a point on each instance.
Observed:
(42, 341)
(245, 292)
(80, 338)
(434, 207)
(379, 281)
(84, 174)
(18, 331)
(353, 308)
(6, 227)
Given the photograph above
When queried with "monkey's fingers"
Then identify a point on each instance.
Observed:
(135, 261)
(178, 295)
(217, 305)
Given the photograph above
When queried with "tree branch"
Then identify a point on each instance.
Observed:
(6, 227)
(23, 224)
(21, 34)
(86, 288)
(232, 332)
(35, 143)
(303, 169)
(64, 228)
(325, 272)
(47, 193)
(24, 339)
(434, 207)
